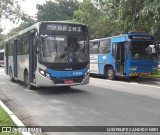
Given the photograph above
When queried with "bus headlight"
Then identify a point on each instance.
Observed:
(42, 72)
(133, 68)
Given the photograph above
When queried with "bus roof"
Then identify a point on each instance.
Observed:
(36, 26)
(99, 39)
(125, 35)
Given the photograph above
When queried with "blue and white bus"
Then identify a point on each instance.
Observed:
(129, 55)
(49, 54)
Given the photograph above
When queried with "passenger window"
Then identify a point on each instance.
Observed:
(94, 47)
(104, 47)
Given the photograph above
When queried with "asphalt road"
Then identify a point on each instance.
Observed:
(122, 102)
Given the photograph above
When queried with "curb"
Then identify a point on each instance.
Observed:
(13, 117)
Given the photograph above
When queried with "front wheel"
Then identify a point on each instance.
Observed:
(110, 74)
(26, 81)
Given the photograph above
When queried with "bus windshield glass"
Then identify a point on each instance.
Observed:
(143, 50)
(63, 49)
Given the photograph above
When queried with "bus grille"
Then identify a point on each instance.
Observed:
(61, 80)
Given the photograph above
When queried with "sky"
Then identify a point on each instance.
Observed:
(29, 7)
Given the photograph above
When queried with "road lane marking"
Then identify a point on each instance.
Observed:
(133, 83)
(144, 90)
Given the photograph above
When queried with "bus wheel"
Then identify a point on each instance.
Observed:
(110, 73)
(26, 81)
(11, 75)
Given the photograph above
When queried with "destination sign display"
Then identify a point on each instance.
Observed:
(141, 37)
(63, 27)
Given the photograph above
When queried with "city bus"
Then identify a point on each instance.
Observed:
(49, 53)
(1, 57)
(129, 55)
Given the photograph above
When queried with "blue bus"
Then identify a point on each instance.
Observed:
(130, 55)
(49, 53)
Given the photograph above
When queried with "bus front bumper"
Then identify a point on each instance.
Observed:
(54, 82)
(139, 73)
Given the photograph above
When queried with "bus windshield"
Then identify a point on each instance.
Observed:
(63, 49)
(143, 50)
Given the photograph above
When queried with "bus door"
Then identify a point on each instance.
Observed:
(119, 58)
(15, 57)
(6, 57)
(32, 57)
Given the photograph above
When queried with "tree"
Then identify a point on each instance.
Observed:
(150, 17)
(115, 17)
(59, 10)
(21, 27)
(9, 9)
(2, 38)
(94, 15)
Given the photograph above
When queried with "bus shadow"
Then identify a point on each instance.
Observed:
(124, 79)
(139, 80)
(149, 81)
(54, 90)
(58, 90)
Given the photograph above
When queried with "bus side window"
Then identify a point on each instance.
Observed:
(114, 50)
(104, 46)
(94, 47)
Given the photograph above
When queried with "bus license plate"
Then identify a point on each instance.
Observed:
(146, 73)
(68, 81)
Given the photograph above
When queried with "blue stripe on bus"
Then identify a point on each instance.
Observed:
(55, 73)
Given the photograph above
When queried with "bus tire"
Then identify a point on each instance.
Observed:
(110, 74)
(26, 81)
(11, 75)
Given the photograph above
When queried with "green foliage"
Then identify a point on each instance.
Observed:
(114, 17)
(59, 10)
(5, 120)
(2, 38)
(103, 17)
(21, 27)
(9, 9)
(94, 16)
